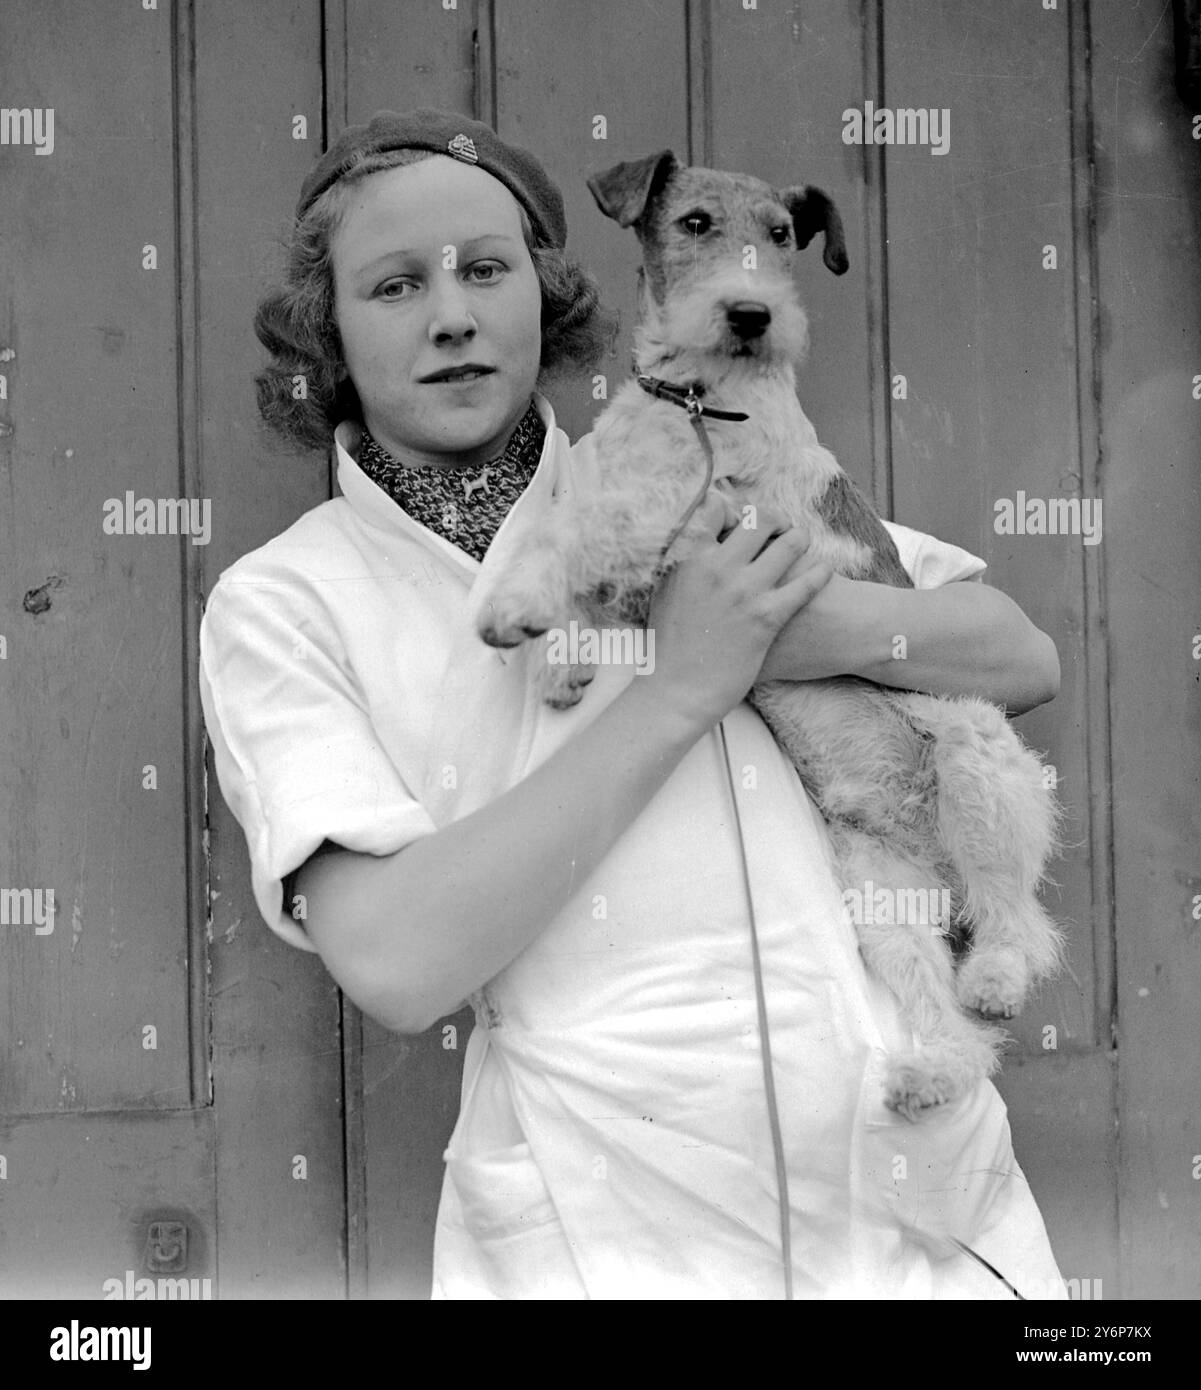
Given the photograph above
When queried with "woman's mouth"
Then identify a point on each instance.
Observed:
(458, 376)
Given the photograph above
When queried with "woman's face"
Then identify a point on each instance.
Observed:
(432, 275)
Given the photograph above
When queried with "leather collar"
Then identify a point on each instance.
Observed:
(686, 396)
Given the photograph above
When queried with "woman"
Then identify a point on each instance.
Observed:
(656, 1103)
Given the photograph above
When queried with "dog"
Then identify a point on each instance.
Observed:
(925, 798)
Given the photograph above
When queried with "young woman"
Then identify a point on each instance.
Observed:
(673, 1088)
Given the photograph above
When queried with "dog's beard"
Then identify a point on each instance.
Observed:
(693, 332)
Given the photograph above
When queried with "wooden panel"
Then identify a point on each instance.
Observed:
(411, 1102)
(400, 57)
(991, 347)
(80, 1190)
(403, 1093)
(782, 76)
(627, 61)
(93, 678)
(1061, 1113)
(1149, 209)
(987, 341)
(275, 1011)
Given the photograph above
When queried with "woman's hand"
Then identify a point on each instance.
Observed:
(717, 613)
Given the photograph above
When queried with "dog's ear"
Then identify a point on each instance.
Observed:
(624, 191)
(813, 212)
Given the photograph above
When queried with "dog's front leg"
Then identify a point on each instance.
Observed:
(530, 587)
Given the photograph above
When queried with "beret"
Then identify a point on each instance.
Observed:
(444, 132)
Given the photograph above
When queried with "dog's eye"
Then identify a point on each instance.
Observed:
(782, 234)
(696, 222)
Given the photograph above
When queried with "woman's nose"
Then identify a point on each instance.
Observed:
(450, 310)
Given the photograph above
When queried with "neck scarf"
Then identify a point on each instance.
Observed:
(463, 505)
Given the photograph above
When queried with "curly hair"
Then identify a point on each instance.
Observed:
(305, 391)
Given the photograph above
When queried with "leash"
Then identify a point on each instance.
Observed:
(980, 1260)
(769, 1082)
(690, 398)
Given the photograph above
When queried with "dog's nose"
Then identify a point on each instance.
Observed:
(748, 319)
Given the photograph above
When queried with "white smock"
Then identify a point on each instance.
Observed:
(614, 1139)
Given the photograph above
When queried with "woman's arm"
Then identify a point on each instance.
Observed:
(958, 639)
(410, 935)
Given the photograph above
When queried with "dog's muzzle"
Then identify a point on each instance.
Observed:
(748, 319)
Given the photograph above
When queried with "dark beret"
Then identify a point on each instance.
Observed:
(445, 132)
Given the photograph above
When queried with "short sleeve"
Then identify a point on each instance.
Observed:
(931, 562)
(295, 752)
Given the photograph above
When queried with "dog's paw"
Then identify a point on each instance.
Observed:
(526, 599)
(511, 616)
(993, 982)
(561, 686)
(918, 1084)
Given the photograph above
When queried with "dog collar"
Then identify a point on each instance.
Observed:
(687, 396)
(690, 398)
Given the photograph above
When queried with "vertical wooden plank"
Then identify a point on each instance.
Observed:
(1061, 1113)
(782, 76)
(990, 343)
(411, 1101)
(92, 679)
(986, 340)
(1149, 209)
(626, 62)
(275, 1011)
(400, 57)
(81, 1190)
(401, 1093)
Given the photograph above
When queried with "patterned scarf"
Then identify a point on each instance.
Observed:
(463, 505)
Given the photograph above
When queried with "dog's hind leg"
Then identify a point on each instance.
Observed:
(954, 1052)
(997, 822)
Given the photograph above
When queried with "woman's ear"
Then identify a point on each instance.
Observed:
(812, 212)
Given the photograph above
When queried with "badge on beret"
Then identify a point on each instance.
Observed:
(463, 147)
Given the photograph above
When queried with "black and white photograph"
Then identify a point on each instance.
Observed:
(600, 658)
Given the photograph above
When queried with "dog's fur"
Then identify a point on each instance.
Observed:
(919, 793)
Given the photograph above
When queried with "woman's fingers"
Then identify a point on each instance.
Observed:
(787, 599)
(718, 513)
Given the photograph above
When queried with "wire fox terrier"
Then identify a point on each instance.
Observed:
(925, 798)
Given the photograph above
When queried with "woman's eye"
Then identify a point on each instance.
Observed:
(395, 289)
(696, 222)
(781, 235)
(485, 271)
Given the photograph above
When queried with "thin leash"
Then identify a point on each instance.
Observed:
(769, 1081)
(980, 1260)
(690, 398)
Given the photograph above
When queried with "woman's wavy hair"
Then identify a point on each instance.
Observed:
(306, 390)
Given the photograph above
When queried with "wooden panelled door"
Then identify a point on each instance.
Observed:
(182, 1096)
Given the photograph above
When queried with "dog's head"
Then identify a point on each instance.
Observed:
(718, 251)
